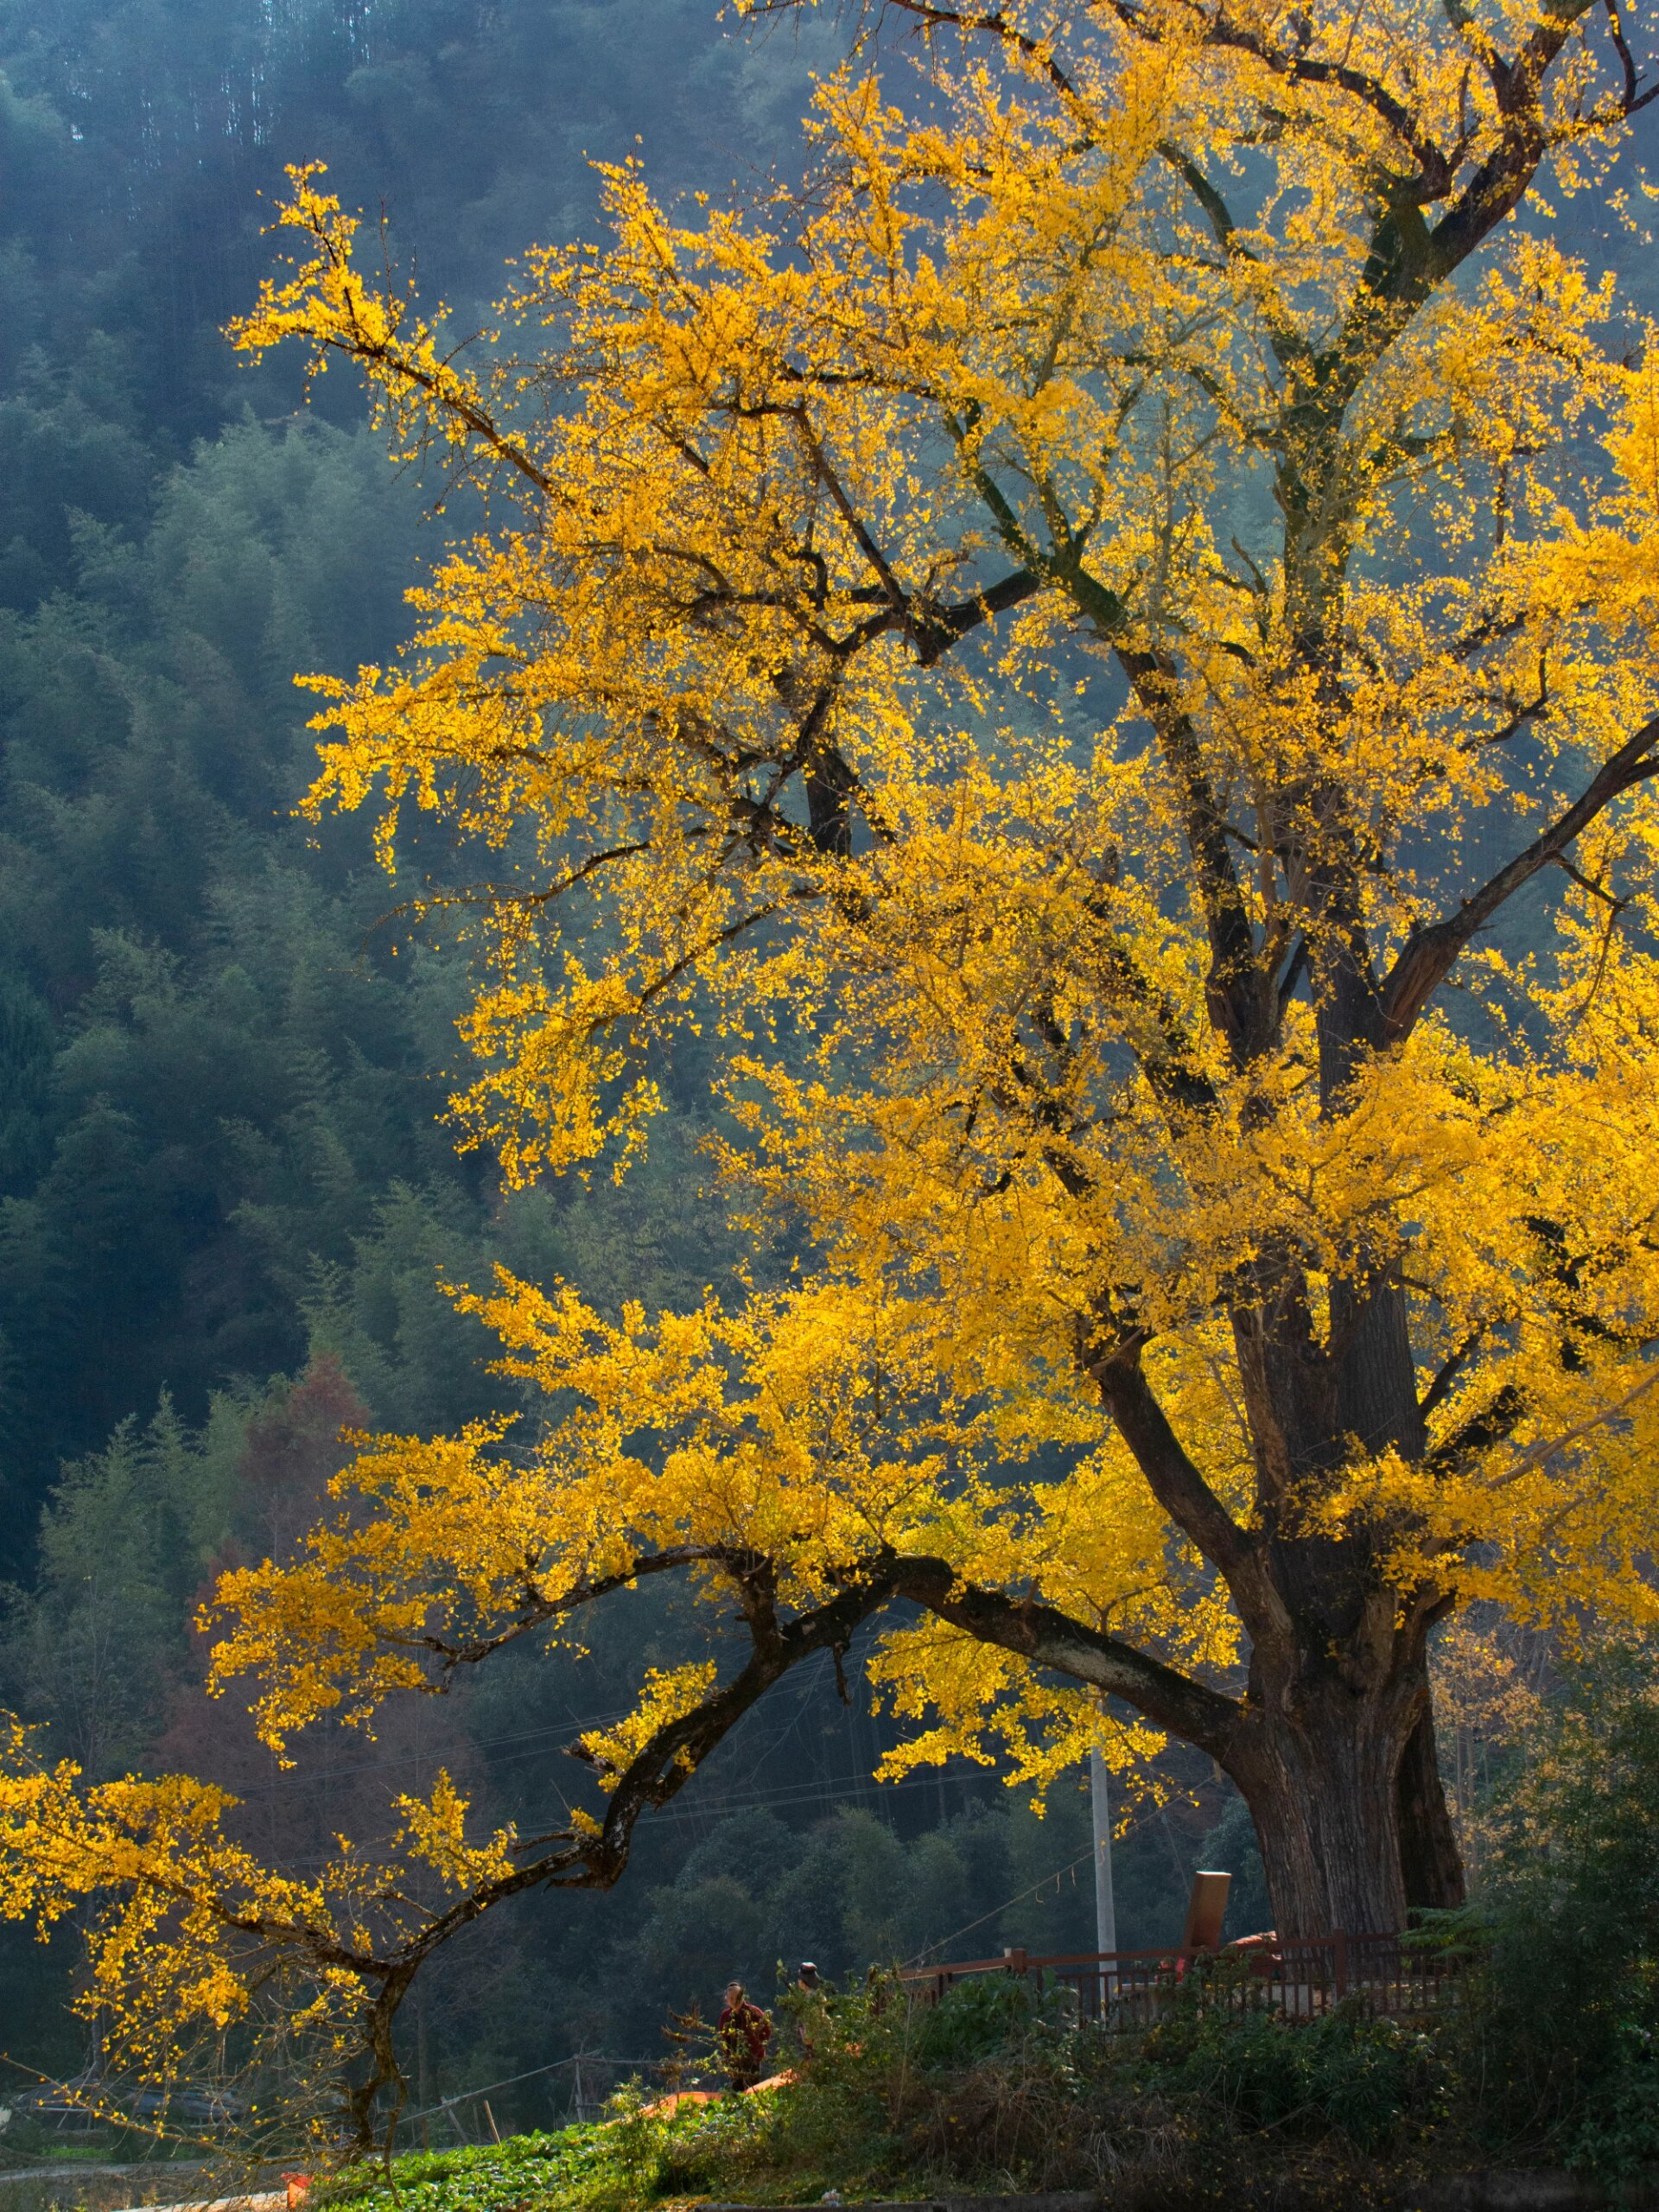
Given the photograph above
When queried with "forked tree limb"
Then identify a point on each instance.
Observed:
(1430, 952)
(1170, 1472)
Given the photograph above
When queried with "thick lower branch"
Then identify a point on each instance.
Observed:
(1048, 1637)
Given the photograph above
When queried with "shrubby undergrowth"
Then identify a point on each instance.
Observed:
(992, 2089)
(1547, 2058)
(1560, 2052)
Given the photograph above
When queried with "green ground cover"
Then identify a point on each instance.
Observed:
(606, 2165)
(991, 2090)
(1549, 2057)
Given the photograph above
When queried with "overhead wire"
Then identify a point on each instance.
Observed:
(1057, 1877)
(530, 2074)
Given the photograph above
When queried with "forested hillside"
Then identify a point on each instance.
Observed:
(215, 1106)
(227, 1200)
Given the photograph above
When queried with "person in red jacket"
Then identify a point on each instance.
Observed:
(743, 2031)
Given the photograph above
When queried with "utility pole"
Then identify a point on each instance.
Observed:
(1105, 1904)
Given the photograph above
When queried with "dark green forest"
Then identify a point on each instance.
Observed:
(227, 1199)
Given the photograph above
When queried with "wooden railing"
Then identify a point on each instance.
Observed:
(1383, 1975)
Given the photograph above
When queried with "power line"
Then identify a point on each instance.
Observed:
(531, 2074)
(1058, 1876)
(301, 1777)
(719, 1808)
(598, 2058)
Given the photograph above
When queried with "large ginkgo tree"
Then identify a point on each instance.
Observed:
(1102, 660)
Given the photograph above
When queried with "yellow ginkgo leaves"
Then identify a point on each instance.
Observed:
(1100, 663)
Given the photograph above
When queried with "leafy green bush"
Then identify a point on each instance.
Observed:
(1558, 2045)
(571, 2166)
(983, 2015)
(609, 2165)
(1374, 2082)
(892, 2089)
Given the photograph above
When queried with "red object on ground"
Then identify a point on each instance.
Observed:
(299, 2188)
(1263, 1950)
(665, 2107)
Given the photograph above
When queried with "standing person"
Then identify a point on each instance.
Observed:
(743, 2031)
(811, 2013)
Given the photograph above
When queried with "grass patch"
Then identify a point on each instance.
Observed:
(608, 2166)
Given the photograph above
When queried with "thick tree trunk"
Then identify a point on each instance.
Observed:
(1338, 1762)
(1323, 1787)
(1334, 1745)
(1342, 1783)
(1430, 1863)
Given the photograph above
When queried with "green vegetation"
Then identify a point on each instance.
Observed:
(615, 2162)
(989, 2090)
(1545, 2059)
(1565, 2044)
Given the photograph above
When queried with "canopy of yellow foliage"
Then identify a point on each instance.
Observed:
(1051, 651)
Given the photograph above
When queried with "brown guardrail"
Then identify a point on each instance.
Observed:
(1299, 1977)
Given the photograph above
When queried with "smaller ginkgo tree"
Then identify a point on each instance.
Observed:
(1058, 654)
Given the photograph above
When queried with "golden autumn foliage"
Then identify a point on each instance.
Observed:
(1104, 657)
(191, 1940)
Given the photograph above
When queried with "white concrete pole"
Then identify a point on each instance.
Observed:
(1105, 1904)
